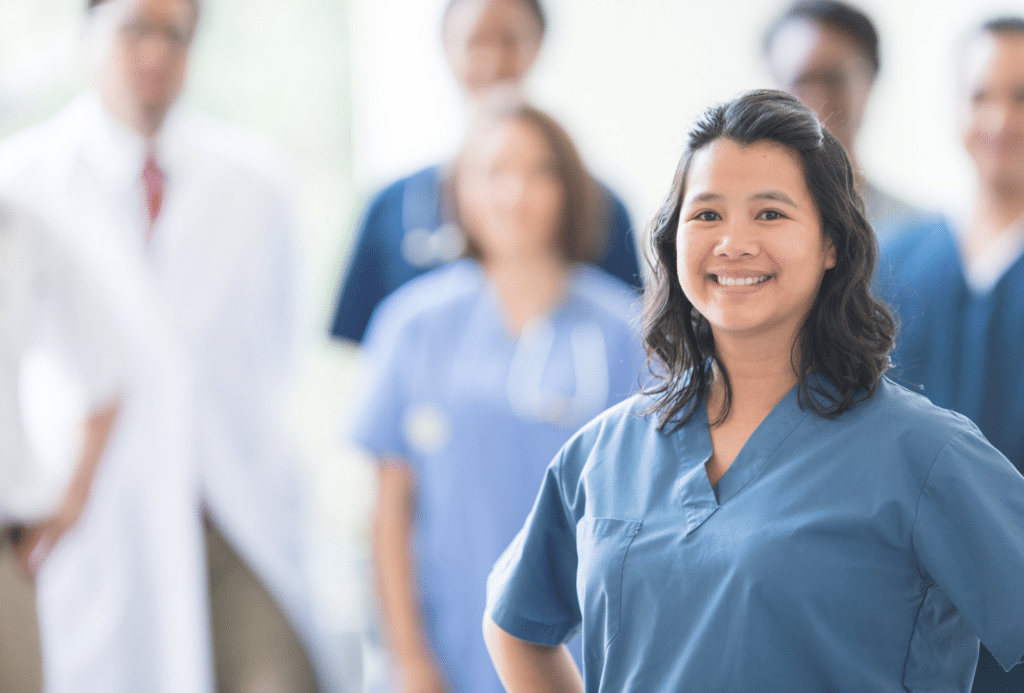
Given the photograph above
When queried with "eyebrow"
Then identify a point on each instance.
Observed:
(774, 195)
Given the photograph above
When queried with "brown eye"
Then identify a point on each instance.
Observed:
(770, 215)
(707, 216)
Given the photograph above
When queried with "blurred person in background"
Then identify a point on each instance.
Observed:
(959, 286)
(491, 46)
(827, 54)
(44, 304)
(97, 494)
(477, 373)
(200, 207)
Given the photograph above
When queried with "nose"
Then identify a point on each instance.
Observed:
(737, 240)
(510, 190)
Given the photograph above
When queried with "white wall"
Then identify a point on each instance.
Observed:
(627, 76)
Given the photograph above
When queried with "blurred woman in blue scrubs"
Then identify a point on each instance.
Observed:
(491, 46)
(478, 373)
(774, 514)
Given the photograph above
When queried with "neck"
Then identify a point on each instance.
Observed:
(760, 374)
(146, 121)
(997, 208)
(484, 103)
(528, 286)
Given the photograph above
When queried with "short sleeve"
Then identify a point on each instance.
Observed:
(969, 539)
(383, 385)
(531, 592)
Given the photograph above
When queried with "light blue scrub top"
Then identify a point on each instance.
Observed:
(478, 414)
(857, 554)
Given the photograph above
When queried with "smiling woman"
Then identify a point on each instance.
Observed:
(775, 514)
(764, 191)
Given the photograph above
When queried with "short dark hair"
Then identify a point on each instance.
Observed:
(582, 237)
(847, 335)
(839, 16)
(1009, 24)
(93, 4)
(533, 5)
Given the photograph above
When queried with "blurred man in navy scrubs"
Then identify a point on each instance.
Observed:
(827, 54)
(959, 287)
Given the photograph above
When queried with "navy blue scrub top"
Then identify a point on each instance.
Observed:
(964, 351)
(864, 553)
(404, 235)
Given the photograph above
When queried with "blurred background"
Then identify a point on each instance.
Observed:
(357, 93)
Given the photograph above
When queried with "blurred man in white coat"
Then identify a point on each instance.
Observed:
(200, 206)
(103, 524)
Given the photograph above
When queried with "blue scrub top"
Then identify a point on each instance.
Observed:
(964, 351)
(404, 235)
(477, 414)
(857, 554)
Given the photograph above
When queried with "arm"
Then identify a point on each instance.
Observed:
(527, 668)
(34, 543)
(396, 583)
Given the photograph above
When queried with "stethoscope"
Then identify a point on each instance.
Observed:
(526, 395)
(427, 427)
(427, 241)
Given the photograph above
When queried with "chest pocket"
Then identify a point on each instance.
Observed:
(602, 544)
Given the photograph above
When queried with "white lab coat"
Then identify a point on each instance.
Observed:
(59, 361)
(121, 599)
(222, 262)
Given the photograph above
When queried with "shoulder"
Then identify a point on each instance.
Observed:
(232, 151)
(39, 152)
(621, 433)
(426, 180)
(426, 299)
(924, 240)
(612, 198)
(604, 294)
(888, 209)
(898, 418)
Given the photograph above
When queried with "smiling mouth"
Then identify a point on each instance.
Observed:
(740, 281)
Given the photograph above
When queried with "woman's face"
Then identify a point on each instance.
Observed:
(511, 197)
(491, 45)
(749, 248)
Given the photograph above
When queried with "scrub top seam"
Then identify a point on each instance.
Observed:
(913, 631)
(917, 510)
(557, 464)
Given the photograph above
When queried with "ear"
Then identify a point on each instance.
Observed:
(830, 254)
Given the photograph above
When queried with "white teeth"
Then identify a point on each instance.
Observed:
(741, 281)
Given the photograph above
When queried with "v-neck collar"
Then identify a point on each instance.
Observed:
(694, 491)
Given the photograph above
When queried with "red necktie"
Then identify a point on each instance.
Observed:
(153, 180)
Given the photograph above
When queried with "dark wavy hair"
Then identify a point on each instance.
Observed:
(847, 335)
